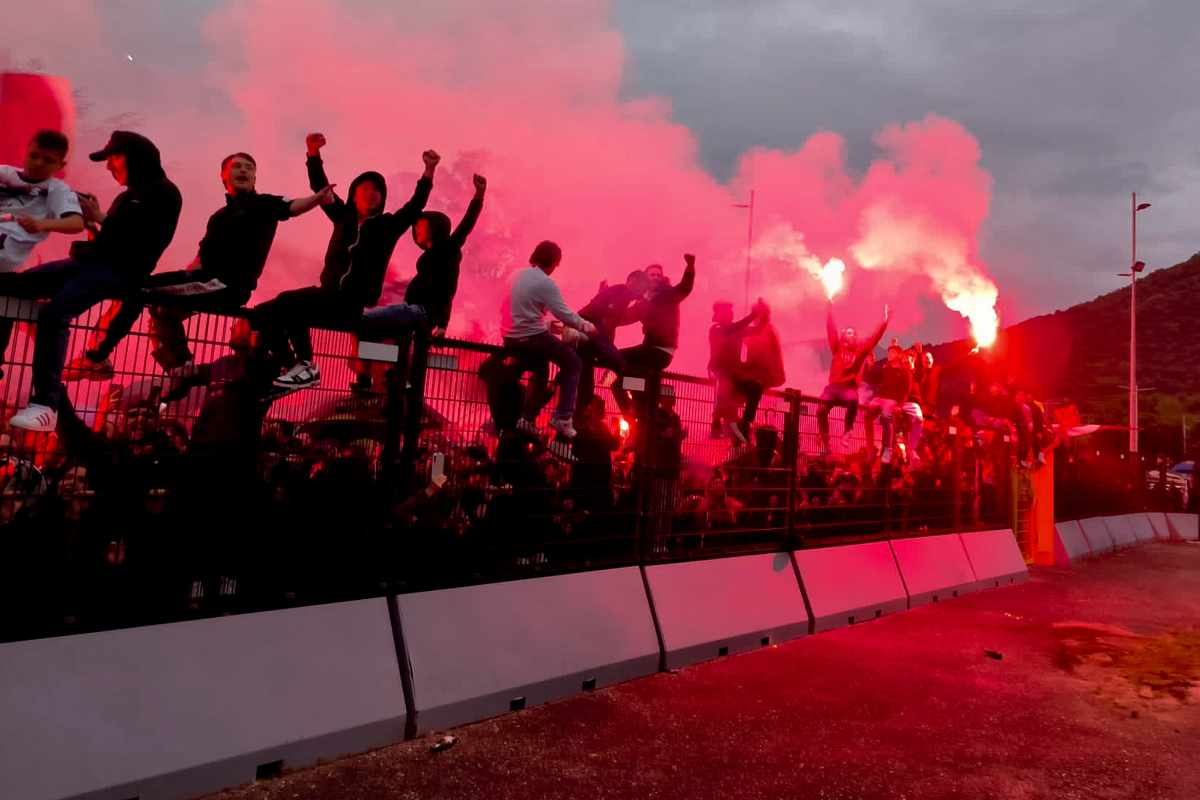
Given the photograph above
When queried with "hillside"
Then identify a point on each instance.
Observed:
(1082, 354)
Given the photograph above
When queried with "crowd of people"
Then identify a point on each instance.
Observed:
(580, 488)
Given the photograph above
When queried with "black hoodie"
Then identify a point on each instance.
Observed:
(436, 282)
(141, 221)
(356, 260)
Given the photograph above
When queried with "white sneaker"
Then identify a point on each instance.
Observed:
(886, 458)
(564, 426)
(304, 375)
(35, 417)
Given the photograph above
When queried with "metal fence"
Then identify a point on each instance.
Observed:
(403, 470)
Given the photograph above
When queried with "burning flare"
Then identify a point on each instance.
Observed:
(979, 307)
(832, 277)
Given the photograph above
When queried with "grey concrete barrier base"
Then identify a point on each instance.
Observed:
(934, 568)
(1183, 527)
(479, 651)
(850, 584)
(170, 711)
(1069, 543)
(1098, 538)
(1143, 530)
(1162, 529)
(707, 609)
(1121, 531)
(995, 558)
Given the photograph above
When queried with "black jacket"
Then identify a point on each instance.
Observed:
(356, 260)
(436, 282)
(141, 221)
(239, 236)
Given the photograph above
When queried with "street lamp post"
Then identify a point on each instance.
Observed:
(749, 241)
(1135, 268)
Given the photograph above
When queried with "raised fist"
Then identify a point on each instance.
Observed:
(689, 259)
(480, 184)
(314, 142)
(431, 158)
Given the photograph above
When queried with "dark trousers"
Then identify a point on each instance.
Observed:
(753, 393)
(166, 322)
(546, 348)
(640, 362)
(72, 287)
(837, 394)
(597, 351)
(284, 321)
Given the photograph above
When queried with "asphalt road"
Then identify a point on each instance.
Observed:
(1096, 694)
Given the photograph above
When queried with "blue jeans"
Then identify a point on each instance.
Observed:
(545, 347)
(394, 320)
(72, 287)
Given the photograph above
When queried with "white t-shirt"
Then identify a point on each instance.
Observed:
(50, 199)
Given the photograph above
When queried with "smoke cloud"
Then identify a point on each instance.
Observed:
(529, 94)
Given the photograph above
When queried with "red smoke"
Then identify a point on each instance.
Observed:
(530, 95)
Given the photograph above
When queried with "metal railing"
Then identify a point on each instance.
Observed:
(403, 471)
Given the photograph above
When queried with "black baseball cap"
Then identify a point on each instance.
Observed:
(121, 142)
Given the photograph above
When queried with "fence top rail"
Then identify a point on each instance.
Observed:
(443, 342)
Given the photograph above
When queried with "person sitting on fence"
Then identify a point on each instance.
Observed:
(608, 310)
(356, 261)
(762, 368)
(844, 373)
(532, 296)
(33, 205)
(724, 359)
(430, 294)
(220, 279)
(868, 387)
(992, 410)
(659, 315)
(913, 406)
(132, 237)
(894, 385)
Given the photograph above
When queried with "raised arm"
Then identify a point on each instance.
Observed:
(688, 281)
(317, 179)
(467, 223)
(407, 214)
(831, 327)
(877, 335)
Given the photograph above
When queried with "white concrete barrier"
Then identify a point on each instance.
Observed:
(179, 710)
(1143, 531)
(995, 558)
(1096, 532)
(1069, 543)
(479, 651)
(707, 609)
(1121, 531)
(1162, 530)
(1183, 527)
(849, 584)
(933, 568)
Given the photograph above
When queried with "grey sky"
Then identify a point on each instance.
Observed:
(1075, 104)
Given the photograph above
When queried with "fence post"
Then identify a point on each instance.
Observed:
(791, 457)
(408, 413)
(646, 431)
(956, 470)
